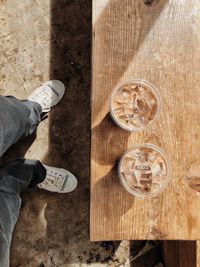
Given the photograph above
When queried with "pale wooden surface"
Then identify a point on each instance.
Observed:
(160, 43)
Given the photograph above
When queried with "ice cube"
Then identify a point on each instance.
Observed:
(142, 168)
(146, 180)
(127, 88)
(153, 112)
(155, 187)
(156, 170)
(128, 164)
(142, 157)
(133, 86)
(139, 121)
(146, 176)
(161, 164)
(140, 103)
(152, 157)
(136, 110)
(143, 189)
(122, 97)
(141, 88)
(119, 109)
(130, 178)
(128, 110)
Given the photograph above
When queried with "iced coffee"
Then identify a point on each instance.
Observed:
(144, 170)
(135, 105)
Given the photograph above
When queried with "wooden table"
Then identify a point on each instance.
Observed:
(159, 43)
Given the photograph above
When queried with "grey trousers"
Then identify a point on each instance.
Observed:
(18, 119)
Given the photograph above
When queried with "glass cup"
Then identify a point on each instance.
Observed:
(144, 170)
(135, 105)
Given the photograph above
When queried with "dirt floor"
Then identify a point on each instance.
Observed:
(42, 40)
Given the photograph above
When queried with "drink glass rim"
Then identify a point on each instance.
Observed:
(166, 180)
(146, 84)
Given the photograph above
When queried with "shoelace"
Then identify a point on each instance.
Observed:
(57, 180)
(47, 97)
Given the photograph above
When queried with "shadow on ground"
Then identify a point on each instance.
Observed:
(62, 237)
(69, 144)
(69, 130)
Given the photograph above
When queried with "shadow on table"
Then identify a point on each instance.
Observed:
(113, 142)
(106, 219)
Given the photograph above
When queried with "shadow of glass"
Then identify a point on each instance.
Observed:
(109, 218)
(104, 155)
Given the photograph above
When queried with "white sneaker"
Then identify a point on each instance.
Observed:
(48, 95)
(58, 180)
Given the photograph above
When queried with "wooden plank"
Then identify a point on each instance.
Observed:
(198, 253)
(180, 253)
(159, 43)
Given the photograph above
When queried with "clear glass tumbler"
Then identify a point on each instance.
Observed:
(135, 105)
(144, 170)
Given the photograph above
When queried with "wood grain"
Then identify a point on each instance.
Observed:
(180, 254)
(198, 253)
(159, 43)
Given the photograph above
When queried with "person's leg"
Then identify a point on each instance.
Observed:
(14, 178)
(18, 119)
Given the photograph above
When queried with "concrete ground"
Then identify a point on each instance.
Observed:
(42, 40)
